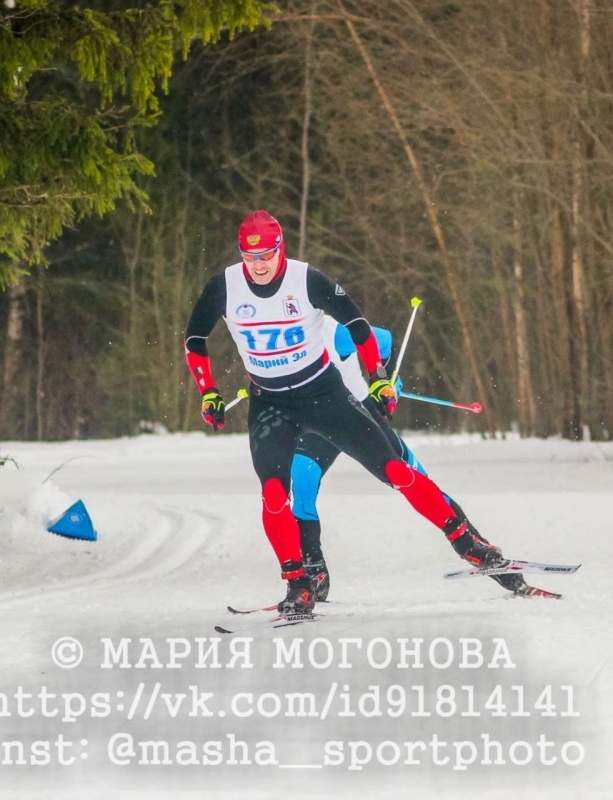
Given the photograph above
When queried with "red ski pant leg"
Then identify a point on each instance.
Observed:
(353, 429)
(422, 493)
(281, 526)
(272, 440)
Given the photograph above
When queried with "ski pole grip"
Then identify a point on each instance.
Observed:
(240, 395)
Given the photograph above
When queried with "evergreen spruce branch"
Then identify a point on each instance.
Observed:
(75, 84)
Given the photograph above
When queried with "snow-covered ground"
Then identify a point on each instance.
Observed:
(410, 684)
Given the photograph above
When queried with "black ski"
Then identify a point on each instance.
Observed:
(251, 610)
(280, 621)
(243, 611)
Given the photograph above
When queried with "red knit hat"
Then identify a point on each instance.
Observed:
(261, 231)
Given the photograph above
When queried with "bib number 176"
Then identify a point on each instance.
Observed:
(270, 339)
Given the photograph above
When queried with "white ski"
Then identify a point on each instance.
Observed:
(515, 566)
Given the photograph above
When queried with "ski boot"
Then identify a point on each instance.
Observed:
(474, 549)
(513, 583)
(300, 597)
(318, 573)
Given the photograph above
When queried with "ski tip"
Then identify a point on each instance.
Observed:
(219, 629)
(233, 610)
(568, 570)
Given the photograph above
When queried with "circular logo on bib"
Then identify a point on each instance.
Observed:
(245, 311)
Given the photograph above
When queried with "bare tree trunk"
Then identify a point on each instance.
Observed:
(527, 408)
(40, 356)
(133, 323)
(580, 373)
(579, 364)
(12, 354)
(525, 390)
(431, 210)
(561, 344)
(306, 123)
(506, 310)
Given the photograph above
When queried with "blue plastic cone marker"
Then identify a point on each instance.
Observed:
(74, 523)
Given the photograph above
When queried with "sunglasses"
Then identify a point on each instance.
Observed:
(265, 255)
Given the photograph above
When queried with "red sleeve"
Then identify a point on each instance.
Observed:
(369, 353)
(200, 367)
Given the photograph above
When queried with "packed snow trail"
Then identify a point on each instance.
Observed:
(407, 680)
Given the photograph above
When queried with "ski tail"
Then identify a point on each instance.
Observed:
(533, 591)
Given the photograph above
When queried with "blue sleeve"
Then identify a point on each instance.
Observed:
(344, 345)
(384, 340)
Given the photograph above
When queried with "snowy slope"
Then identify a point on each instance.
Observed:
(411, 683)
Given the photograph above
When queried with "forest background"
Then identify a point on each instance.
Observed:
(458, 151)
